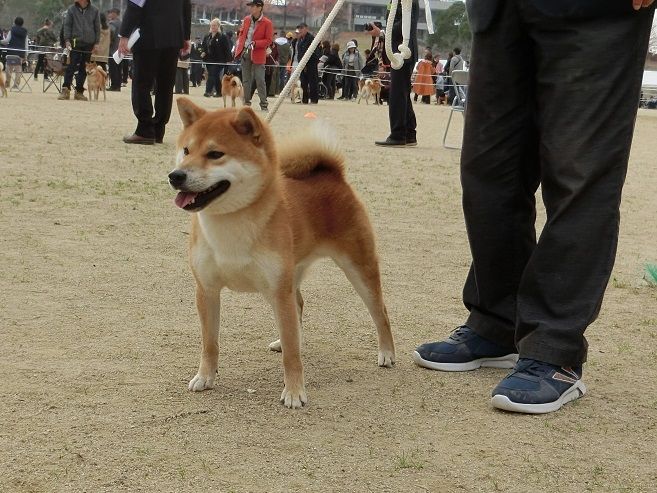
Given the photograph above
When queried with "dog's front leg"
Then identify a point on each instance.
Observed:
(285, 309)
(207, 304)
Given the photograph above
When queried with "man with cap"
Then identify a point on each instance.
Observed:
(284, 53)
(309, 75)
(251, 49)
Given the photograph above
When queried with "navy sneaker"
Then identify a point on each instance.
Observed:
(464, 350)
(535, 387)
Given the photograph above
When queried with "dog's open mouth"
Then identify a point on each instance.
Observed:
(192, 201)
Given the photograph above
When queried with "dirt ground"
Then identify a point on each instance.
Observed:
(99, 334)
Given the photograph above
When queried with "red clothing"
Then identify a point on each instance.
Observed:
(423, 81)
(262, 38)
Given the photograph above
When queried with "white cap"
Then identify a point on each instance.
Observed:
(351, 44)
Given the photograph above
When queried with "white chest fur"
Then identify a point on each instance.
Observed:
(227, 255)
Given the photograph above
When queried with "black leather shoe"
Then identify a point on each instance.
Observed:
(391, 143)
(411, 142)
(138, 139)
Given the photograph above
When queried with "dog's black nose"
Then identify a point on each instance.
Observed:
(177, 177)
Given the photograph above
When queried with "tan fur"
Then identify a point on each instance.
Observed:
(367, 88)
(296, 93)
(268, 227)
(3, 81)
(231, 85)
(96, 80)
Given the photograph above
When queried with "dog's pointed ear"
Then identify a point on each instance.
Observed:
(189, 112)
(247, 123)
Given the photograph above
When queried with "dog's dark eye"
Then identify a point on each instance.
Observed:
(214, 155)
(185, 151)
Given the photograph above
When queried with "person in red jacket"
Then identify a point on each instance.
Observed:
(251, 49)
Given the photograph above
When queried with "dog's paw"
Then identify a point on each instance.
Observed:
(276, 346)
(294, 399)
(200, 382)
(386, 358)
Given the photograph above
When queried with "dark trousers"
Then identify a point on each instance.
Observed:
(153, 68)
(196, 73)
(329, 82)
(114, 74)
(213, 84)
(564, 119)
(400, 107)
(40, 65)
(310, 83)
(76, 65)
(349, 84)
(182, 81)
(125, 71)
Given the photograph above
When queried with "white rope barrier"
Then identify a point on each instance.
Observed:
(302, 63)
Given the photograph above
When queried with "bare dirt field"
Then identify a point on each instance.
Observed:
(99, 334)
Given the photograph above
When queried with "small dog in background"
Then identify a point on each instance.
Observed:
(367, 88)
(3, 81)
(296, 93)
(96, 80)
(231, 85)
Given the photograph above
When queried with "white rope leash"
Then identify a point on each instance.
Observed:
(397, 59)
(302, 63)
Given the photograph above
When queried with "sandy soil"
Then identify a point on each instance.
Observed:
(99, 335)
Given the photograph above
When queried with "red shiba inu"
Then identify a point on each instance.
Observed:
(261, 216)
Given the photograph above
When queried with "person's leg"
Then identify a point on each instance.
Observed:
(144, 68)
(313, 82)
(303, 77)
(74, 61)
(585, 145)
(247, 79)
(220, 74)
(165, 78)
(125, 71)
(400, 106)
(81, 76)
(115, 75)
(210, 83)
(259, 74)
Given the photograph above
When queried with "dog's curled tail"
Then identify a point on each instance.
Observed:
(312, 152)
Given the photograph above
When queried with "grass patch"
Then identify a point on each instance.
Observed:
(409, 460)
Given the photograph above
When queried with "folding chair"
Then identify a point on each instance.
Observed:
(53, 73)
(21, 80)
(460, 79)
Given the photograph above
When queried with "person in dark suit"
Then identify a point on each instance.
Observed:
(400, 107)
(309, 75)
(165, 29)
(564, 120)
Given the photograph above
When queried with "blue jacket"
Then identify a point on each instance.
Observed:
(482, 12)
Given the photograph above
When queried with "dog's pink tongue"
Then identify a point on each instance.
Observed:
(183, 199)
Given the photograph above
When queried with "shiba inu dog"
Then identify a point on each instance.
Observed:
(367, 88)
(3, 81)
(96, 80)
(261, 216)
(231, 85)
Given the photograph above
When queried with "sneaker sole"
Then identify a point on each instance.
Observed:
(505, 404)
(508, 361)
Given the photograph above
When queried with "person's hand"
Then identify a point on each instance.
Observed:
(123, 46)
(95, 49)
(203, 55)
(375, 32)
(638, 4)
(187, 47)
(68, 45)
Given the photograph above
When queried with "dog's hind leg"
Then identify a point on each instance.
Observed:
(360, 265)
(208, 306)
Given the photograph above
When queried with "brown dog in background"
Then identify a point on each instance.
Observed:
(262, 215)
(3, 81)
(231, 85)
(96, 80)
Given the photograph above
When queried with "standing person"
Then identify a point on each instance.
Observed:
(351, 63)
(182, 75)
(215, 52)
(400, 107)
(332, 65)
(81, 36)
(165, 29)
(456, 62)
(115, 28)
(196, 70)
(424, 85)
(103, 51)
(16, 40)
(527, 299)
(44, 39)
(284, 53)
(251, 50)
(309, 76)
